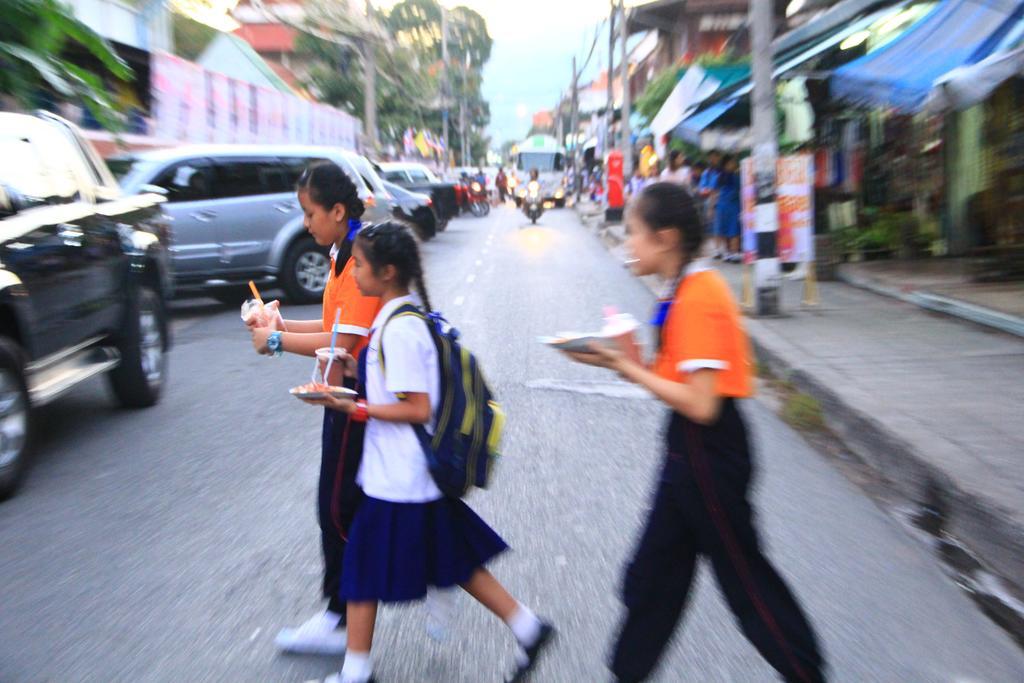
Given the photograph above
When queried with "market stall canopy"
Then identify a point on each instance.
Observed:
(696, 85)
(901, 74)
(966, 86)
(691, 128)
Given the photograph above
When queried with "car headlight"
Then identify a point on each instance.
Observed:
(559, 193)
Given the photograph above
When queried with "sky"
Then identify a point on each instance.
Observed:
(531, 60)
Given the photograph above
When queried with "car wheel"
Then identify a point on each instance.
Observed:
(425, 223)
(305, 271)
(138, 380)
(14, 417)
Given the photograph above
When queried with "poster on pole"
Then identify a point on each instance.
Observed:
(748, 200)
(795, 197)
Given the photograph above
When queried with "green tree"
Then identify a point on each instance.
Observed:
(34, 38)
(190, 37)
(657, 91)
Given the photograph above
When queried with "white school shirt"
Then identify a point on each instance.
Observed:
(394, 467)
(681, 176)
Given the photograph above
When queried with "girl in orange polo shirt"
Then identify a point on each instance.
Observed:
(701, 507)
(332, 209)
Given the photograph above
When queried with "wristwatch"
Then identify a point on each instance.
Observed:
(274, 344)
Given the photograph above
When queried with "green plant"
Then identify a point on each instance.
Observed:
(657, 91)
(803, 412)
(34, 38)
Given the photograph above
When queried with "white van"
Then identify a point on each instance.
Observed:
(543, 153)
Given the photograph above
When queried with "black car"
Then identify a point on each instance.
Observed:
(84, 279)
(419, 178)
(414, 208)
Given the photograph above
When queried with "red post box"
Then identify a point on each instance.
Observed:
(615, 190)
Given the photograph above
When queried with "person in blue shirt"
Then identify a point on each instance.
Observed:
(727, 208)
(706, 189)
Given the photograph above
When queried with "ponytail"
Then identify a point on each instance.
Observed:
(328, 185)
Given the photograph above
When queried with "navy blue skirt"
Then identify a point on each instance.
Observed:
(396, 550)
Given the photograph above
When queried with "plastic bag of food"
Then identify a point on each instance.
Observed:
(258, 314)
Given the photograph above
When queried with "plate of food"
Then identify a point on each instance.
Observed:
(576, 342)
(316, 390)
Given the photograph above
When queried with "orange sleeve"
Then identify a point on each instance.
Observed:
(357, 311)
(704, 345)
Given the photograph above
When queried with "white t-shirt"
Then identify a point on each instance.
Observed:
(394, 467)
(681, 175)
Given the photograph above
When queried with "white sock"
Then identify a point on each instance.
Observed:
(357, 668)
(525, 625)
(332, 617)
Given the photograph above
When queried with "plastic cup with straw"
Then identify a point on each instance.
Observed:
(334, 339)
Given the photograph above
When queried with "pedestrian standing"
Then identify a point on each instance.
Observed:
(678, 170)
(706, 189)
(407, 536)
(702, 505)
(501, 182)
(728, 208)
(332, 208)
(636, 183)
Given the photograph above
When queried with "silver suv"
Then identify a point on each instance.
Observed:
(235, 216)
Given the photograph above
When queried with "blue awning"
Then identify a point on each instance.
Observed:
(901, 74)
(691, 128)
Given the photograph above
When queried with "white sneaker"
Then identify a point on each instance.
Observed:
(318, 636)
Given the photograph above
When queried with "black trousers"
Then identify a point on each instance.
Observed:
(701, 508)
(341, 451)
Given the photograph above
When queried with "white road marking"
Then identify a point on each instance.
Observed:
(459, 300)
(471, 279)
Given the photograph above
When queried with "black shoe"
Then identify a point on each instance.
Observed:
(547, 634)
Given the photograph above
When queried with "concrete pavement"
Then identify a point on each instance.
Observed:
(930, 402)
(171, 544)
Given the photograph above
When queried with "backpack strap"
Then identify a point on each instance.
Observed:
(402, 311)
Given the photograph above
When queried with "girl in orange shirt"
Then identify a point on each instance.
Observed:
(332, 210)
(701, 506)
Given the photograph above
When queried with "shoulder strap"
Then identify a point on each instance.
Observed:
(402, 311)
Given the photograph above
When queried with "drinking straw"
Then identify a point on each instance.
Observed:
(255, 292)
(334, 337)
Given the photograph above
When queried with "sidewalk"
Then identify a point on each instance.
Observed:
(943, 285)
(932, 403)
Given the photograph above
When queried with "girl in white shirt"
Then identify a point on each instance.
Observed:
(407, 536)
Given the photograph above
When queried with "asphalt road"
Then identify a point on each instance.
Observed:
(171, 544)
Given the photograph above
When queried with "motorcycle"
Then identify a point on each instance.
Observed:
(479, 204)
(533, 202)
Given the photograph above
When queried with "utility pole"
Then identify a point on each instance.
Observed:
(370, 86)
(609, 112)
(462, 131)
(765, 155)
(574, 126)
(627, 142)
(445, 88)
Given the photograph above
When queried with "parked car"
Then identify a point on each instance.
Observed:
(416, 209)
(235, 214)
(419, 178)
(83, 283)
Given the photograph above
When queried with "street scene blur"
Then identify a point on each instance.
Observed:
(656, 340)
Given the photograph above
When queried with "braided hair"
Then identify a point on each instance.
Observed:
(391, 243)
(669, 206)
(328, 185)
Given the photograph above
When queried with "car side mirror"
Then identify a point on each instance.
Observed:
(154, 189)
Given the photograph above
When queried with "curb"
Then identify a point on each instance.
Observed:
(941, 304)
(988, 531)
